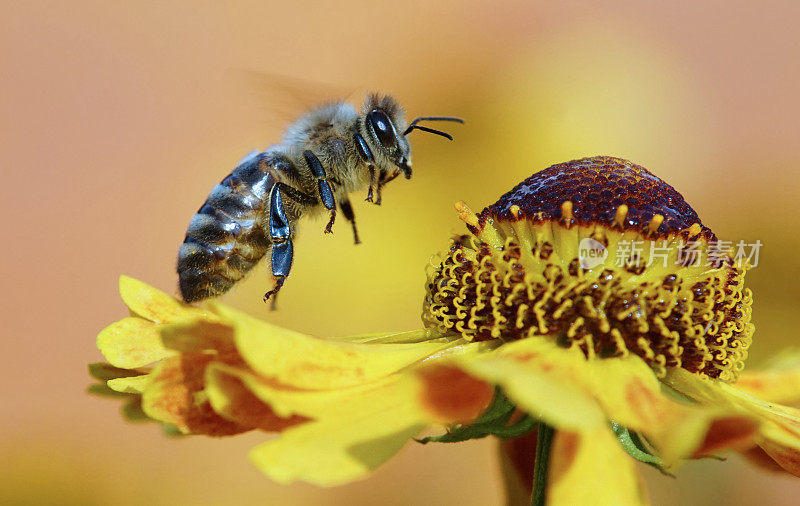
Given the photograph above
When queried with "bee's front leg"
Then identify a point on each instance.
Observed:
(366, 156)
(323, 186)
(382, 180)
(373, 184)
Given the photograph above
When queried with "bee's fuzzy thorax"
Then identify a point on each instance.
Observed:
(519, 274)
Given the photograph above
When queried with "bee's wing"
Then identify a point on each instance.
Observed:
(282, 98)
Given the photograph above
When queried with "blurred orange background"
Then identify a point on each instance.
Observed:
(120, 117)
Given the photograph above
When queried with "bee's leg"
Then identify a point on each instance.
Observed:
(323, 185)
(379, 188)
(389, 177)
(366, 155)
(373, 183)
(382, 180)
(280, 232)
(347, 210)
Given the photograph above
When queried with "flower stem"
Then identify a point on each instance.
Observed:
(544, 437)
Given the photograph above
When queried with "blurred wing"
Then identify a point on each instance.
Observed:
(283, 98)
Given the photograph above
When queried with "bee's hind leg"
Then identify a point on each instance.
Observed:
(280, 234)
(349, 215)
(324, 187)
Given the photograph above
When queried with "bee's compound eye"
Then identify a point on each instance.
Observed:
(383, 128)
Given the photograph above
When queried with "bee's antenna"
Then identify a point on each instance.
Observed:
(429, 130)
(413, 125)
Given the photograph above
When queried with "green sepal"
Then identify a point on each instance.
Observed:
(132, 410)
(103, 390)
(104, 372)
(519, 428)
(171, 431)
(635, 447)
(492, 422)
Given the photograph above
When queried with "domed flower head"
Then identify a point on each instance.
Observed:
(588, 311)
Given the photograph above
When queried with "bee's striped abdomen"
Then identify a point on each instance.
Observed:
(226, 238)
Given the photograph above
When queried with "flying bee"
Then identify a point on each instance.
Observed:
(328, 153)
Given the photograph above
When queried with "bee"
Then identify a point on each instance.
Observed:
(326, 154)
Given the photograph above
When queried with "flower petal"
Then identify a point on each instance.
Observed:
(785, 454)
(633, 397)
(411, 336)
(231, 399)
(344, 448)
(132, 342)
(302, 361)
(756, 455)
(175, 396)
(627, 389)
(727, 433)
(327, 404)
(452, 395)
(779, 431)
(779, 382)
(591, 468)
(130, 384)
(197, 335)
(780, 438)
(155, 305)
(538, 377)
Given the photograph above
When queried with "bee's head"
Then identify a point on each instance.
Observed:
(383, 124)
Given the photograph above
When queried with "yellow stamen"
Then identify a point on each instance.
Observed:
(466, 214)
(622, 212)
(655, 222)
(566, 211)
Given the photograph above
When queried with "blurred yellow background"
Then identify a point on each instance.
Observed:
(119, 117)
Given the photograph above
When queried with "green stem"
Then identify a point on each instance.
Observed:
(544, 437)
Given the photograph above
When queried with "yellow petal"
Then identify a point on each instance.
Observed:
(785, 452)
(779, 430)
(778, 382)
(591, 468)
(325, 404)
(412, 336)
(627, 389)
(452, 395)
(780, 436)
(231, 399)
(302, 361)
(538, 377)
(130, 384)
(756, 455)
(341, 449)
(174, 395)
(198, 335)
(632, 396)
(727, 432)
(132, 342)
(155, 305)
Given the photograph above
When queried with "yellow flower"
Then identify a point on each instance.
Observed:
(523, 327)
